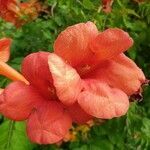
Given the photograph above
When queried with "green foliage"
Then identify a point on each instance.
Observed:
(144, 10)
(13, 136)
(130, 132)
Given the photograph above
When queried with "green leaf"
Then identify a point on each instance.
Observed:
(88, 4)
(146, 127)
(83, 147)
(132, 53)
(132, 12)
(13, 136)
(102, 144)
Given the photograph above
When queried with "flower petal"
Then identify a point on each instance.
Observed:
(1, 99)
(110, 43)
(73, 43)
(101, 101)
(11, 73)
(18, 101)
(5, 44)
(36, 71)
(106, 4)
(66, 80)
(9, 9)
(5, 69)
(1, 91)
(48, 124)
(78, 114)
(121, 72)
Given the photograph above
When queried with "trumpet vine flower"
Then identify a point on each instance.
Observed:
(106, 4)
(86, 77)
(19, 13)
(5, 69)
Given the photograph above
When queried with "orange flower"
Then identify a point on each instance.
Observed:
(86, 77)
(31, 9)
(106, 4)
(107, 75)
(6, 70)
(98, 55)
(9, 10)
(19, 13)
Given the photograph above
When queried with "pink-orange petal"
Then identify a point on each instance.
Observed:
(36, 70)
(78, 115)
(1, 99)
(73, 43)
(66, 80)
(19, 100)
(121, 72)
(110, 43)
(122, 59)
(5, 44)
(102, 101)
(48, 124)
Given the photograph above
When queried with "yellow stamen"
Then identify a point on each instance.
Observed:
(11, 73)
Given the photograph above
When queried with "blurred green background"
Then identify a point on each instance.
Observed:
(131, 132)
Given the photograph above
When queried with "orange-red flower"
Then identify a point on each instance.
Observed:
(19, 13)
(106, 4)
(5, 49)
(9, 10)
(87, 76)
(5, 69)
